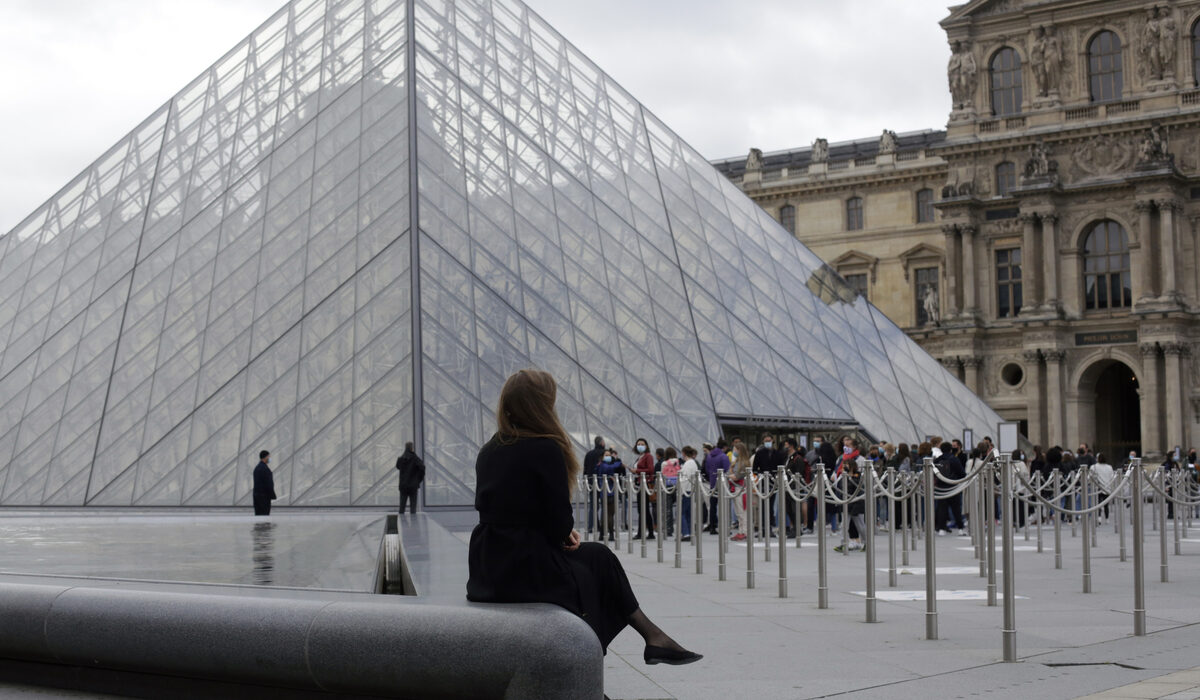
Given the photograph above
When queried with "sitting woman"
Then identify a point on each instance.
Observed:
(524, 548)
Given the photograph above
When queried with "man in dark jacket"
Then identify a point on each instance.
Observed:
(767, 458)
(412, 474)
(264, 485)
(950, 467)
(590, 460)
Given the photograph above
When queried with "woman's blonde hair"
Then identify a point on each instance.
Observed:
(526, 410)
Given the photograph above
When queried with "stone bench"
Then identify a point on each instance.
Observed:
(312, 643)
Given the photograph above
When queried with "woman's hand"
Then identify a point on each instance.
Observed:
(572, 542)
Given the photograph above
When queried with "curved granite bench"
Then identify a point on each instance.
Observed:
(370, 646)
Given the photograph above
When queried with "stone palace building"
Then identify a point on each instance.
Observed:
(1046, 245)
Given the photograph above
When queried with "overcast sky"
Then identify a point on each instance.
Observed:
(77, 75)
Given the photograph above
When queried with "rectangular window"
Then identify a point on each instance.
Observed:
(1006, 178)
(859, 284)
(924, 206)
(787, 217)
(1008, 282)
(854, 214)
(927, 302)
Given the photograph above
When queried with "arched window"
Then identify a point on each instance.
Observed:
(1196, 53)
(1006, 82)
(1106, 267)
(854, 213)
(787, 217)
(1104, 67)
(924, 206)
(1006, 178)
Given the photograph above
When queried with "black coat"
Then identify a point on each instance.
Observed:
(264, 482)
(525, 517)
(412, 471)
(828, 457)
(591, 459)
(768, 459)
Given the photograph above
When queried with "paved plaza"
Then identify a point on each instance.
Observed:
(756, 645)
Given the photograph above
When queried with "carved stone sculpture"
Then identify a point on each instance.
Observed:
(1039, 166)
(1037, 60)
(962, 72)
(1153, 148)
(1167, 36)
(1151, 48)
(820, 151)
(887, 141)
(754, 160)
(1045, 56)
(930, 302)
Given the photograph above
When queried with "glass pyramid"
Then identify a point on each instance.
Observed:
(349, 230)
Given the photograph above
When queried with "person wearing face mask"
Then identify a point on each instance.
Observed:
(742, 476)
(645, 466)
(609, 469)
(766, 460)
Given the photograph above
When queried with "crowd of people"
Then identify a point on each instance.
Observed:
(843, 461)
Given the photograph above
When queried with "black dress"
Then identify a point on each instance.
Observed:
(516, 553)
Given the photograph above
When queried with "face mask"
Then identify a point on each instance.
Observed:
(1132, 455)
(735, 454)
(608, 459)
(641, 448)
(768, 444)
(846, 450)
(817, 444)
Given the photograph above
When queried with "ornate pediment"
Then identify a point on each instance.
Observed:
(983, 8)
(853, 260)
(920, 255)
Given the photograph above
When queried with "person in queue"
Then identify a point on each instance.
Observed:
(525, 548)
(645, 467)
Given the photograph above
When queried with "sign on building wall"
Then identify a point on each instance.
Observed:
(1106, 338)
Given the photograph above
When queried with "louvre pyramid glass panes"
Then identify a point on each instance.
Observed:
(348, 231)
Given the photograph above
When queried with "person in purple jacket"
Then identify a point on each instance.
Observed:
(716, 461)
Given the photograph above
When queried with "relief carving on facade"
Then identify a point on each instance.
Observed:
(998, 7)
(1103, 155)
(887, 141)
(1039, 168)
(1152, 149)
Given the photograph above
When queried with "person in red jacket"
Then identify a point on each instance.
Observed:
(645, 465)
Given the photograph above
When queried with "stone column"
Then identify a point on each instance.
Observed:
(1049, 259)
(1152, 437)
(1173, 355)
(1031, 272)
(1054, 397)
(953, 309)
(1033, 396)
(970, 275)
(1075, 404)
(1141, 262)
(971, 367)
(1167, 248)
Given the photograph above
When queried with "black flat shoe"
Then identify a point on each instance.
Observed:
(659, 655)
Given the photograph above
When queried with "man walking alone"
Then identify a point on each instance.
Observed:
(264, 485)
(412, 474)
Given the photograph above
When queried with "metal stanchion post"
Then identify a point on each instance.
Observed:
(892, 513)
(1009, 633)
(660, 497)
(931, 631)
(722, 522)
(595, 496)
(822, 573)
(905, 529)
(988, 473)
(642, 512)
(868, 496)
(1179, 508)
(604, 523)
(677, 506)
(1040, 511)
(630, 490)
(974, 496)
(751, 492)
(698, 498)
(764, 515)
(781, 530)
(1119, 516)
(1162, 523)
(1139, 583)
(1057, 475)
(800, 504)
(1085, 497)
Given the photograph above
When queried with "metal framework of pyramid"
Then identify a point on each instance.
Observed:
(349, 230)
